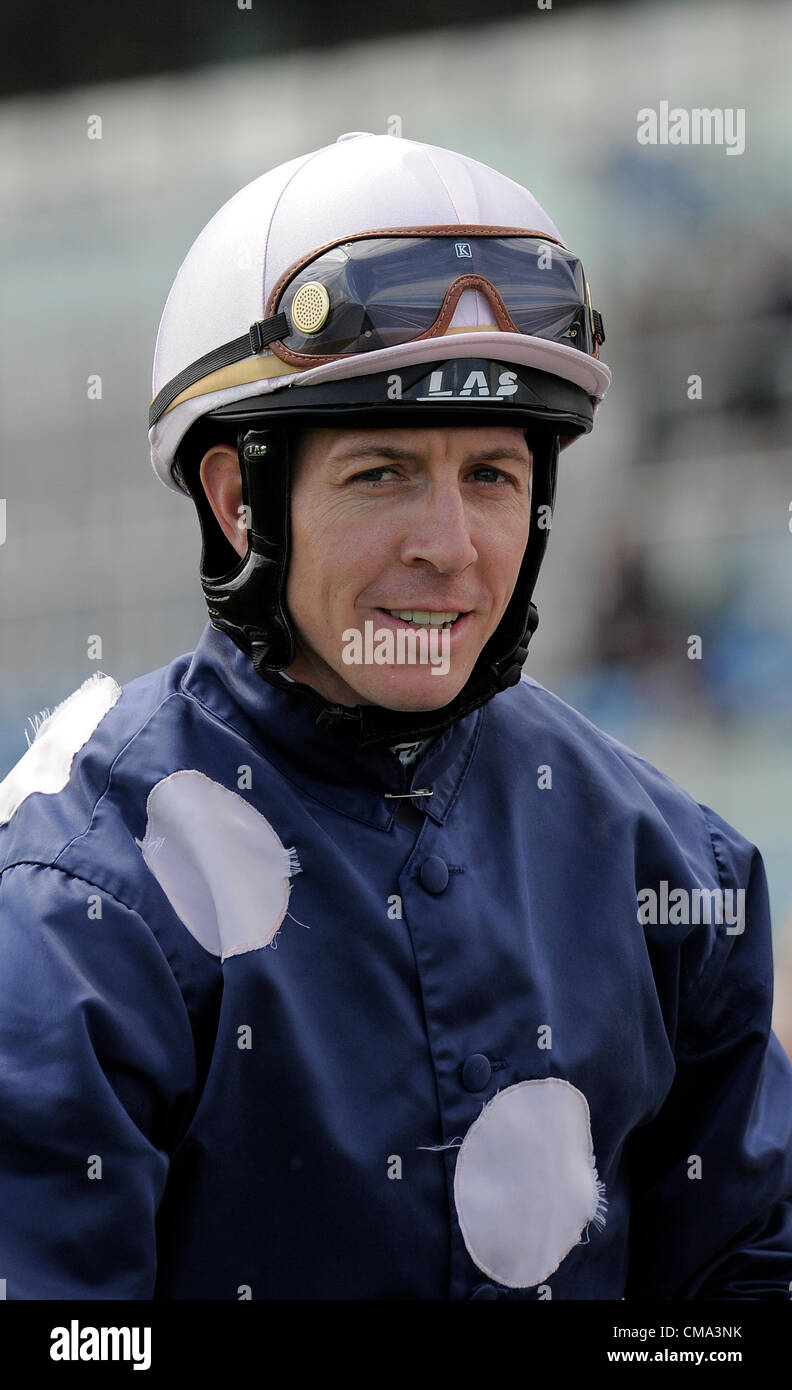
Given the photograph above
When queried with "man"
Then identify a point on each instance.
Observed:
(339, 967)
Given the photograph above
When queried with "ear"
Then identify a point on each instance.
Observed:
(222, 483)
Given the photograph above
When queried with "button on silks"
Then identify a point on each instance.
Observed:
(485, 1291)
(476, 1072)
(434, 874)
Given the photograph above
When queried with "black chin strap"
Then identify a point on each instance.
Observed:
(248, 603)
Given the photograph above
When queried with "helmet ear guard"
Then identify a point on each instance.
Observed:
(245, 596)
(521, 619)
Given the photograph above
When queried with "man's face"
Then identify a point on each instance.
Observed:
(421, 521)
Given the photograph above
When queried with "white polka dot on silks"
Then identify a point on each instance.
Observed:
(526, 1182)
(222, 866)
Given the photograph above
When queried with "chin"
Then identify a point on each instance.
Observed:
(427, 693)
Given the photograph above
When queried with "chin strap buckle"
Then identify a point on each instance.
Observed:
(329, 714)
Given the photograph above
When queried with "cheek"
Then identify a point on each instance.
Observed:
(504, 547)
(331, 559)
(304, 579)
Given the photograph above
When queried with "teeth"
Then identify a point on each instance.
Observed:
(422, 618)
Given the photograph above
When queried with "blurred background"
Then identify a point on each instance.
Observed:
(673, 518)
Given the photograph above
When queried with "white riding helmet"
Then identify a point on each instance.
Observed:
(361, 183)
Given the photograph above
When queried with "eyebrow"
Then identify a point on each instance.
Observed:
(397, 454)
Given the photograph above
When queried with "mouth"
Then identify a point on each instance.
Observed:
(438, 620)
(421, 617)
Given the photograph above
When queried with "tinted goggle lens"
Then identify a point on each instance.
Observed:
(378, 292)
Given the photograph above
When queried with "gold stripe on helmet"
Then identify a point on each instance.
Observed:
(264, 367)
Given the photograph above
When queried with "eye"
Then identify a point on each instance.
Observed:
(371, 475)
(496, 475)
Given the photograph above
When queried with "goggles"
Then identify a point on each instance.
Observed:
(380, 289)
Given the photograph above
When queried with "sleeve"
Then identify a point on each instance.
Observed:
(712, 1172)
(97, 1077)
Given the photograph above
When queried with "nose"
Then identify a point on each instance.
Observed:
(439, 531)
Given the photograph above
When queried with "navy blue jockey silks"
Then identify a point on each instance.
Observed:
(263, 1035)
